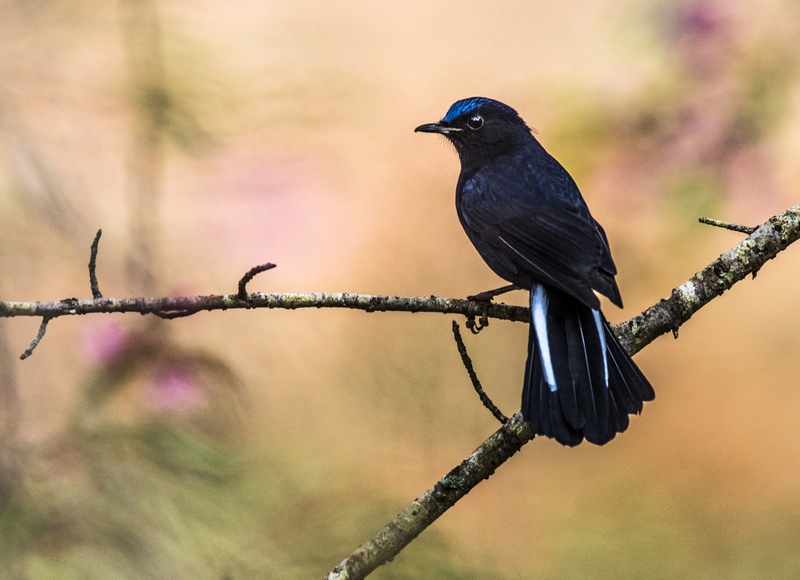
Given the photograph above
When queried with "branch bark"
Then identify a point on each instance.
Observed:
(290, 301)
(413, 520)
(747, 257)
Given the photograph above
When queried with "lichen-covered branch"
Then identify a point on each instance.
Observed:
(726, 225)
(290, 301)
(746, 258)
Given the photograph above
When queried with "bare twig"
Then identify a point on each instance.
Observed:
(93, 267)
(251, 273)
(289, 301)
(476, 384)
(35, 342)
(176, 314)
(726, 225)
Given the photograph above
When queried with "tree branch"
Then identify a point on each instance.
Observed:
(251, 273)
(482, 463)
(726, 225)
(290, 301)
(769, 239)
(748, 257)
(93, 266)
(36, 340)
(473, 376)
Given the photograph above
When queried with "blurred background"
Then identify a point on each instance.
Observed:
(206, 137)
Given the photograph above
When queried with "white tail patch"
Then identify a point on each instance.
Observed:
(601, 331)
(539, 321)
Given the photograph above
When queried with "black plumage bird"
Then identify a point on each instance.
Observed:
(527, 219)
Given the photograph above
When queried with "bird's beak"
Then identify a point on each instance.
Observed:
(436, 128)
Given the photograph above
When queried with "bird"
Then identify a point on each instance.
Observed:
(527, 219)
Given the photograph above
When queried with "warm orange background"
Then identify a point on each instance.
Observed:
(289, 138)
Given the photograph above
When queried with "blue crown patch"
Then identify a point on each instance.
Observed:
(465, 106)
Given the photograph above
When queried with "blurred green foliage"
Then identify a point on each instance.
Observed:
(159, 501)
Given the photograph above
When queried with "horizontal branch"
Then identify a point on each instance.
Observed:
(290, 301)
(745, 258)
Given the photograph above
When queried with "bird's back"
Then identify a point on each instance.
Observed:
(528, 220)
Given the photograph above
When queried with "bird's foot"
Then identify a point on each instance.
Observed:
(485, 298)
(475, 327)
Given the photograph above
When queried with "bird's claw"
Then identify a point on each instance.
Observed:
(482, 322)
(485, 298)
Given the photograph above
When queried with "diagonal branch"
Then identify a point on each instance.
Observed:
(473, 376)
(726, 225)
(746, 258)
(37, 339)
(413, 520)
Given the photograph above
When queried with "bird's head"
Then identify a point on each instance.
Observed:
(481, 129)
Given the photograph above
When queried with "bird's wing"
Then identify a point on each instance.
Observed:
(557, 242)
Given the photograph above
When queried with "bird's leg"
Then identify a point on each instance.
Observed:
(489, 295)
(486, 297)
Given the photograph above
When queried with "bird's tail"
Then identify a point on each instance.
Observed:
(579, 381)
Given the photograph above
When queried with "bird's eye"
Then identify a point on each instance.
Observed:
(475, 122)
